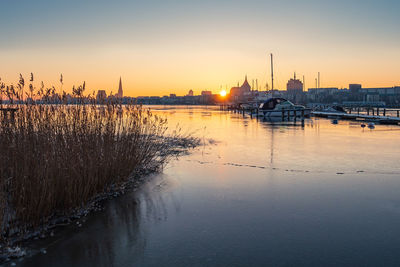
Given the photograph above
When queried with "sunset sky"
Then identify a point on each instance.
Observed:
(162, 47)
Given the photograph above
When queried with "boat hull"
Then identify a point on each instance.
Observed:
(285, 113)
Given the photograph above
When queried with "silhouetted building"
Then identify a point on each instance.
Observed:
(354, 88)
(190, 93)
(206, 93)
(326, 91)
(240, 91)
(120, 93)
(386, 91)
(294, 85)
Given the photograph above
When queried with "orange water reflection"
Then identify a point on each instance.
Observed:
(320, 146)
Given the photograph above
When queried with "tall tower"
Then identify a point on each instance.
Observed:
(120, 92)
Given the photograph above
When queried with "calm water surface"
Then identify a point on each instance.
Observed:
(257, 194)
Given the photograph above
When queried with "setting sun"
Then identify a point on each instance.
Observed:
(222, 93)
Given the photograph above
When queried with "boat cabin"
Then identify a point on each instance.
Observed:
(271, 103)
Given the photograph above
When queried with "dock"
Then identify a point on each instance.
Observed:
(291, 116)
(358, 117)
(376, 115)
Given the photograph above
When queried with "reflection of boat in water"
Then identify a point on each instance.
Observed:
(279, 107)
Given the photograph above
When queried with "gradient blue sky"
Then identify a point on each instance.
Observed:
(172, 46)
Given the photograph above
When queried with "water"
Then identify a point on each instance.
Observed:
(257, 194)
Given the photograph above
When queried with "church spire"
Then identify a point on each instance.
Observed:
(120, 92)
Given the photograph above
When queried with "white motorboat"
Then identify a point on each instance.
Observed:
(280, 107)
(334, 109)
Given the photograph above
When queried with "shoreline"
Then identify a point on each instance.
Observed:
(13, 247)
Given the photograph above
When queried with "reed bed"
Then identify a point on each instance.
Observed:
(55, 159)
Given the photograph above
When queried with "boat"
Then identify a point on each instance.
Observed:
(334, 112)
(281, 107)
(247, 106)
(334, 109)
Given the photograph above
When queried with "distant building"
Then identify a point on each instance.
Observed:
(242, 90)
(101, 95)
(190, 93)
(388, 91)
(120, 93)
(172, 95)
(294, 85)
(206, 93)
(326, 91)
(355, 88)
(372, 97)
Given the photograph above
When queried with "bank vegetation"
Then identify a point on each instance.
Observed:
(56, 159)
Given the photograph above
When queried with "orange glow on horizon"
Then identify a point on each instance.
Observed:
(150, 73)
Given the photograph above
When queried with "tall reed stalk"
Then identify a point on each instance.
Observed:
(56, 158)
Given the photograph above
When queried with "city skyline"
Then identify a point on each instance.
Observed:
(219, 42)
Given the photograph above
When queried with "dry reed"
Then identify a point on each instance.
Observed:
(55, 159)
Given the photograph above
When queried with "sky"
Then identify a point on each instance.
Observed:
(163, 47)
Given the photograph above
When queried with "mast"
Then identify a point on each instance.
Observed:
(272, 74)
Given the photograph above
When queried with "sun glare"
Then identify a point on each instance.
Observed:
(222, 93)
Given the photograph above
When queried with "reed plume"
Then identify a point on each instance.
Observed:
(56, 158)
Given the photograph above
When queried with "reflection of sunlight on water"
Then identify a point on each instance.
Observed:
(318, 146)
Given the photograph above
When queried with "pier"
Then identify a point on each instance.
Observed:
(371, 114)
(358, 117)
(286, 115)
(376, 115)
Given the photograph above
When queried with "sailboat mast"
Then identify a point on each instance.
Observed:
(272, 74)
